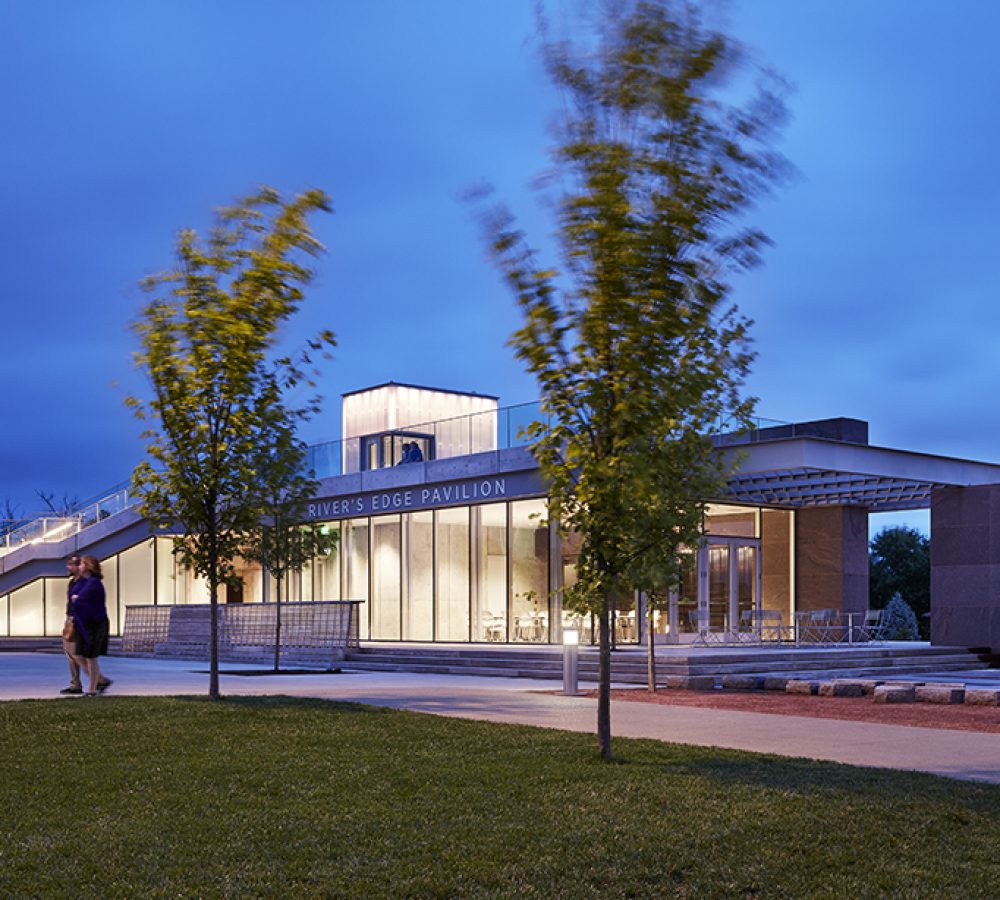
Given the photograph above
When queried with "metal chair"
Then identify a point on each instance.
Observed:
(700, 625)
(748, 631)
(821, 626)
(759, 625)
(873, 628)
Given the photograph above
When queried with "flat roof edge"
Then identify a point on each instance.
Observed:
(420, 387)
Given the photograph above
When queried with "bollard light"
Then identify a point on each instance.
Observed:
(571, 641)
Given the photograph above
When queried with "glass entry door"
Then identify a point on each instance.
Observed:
(728, 581)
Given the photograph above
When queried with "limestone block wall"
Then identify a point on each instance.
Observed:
(831, 563)
(965, 566)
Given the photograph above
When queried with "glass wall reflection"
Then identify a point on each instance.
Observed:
(479, 573)
(452, 574)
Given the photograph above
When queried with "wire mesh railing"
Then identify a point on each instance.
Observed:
(318, 631)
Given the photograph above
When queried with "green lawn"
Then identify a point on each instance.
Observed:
(295, 798)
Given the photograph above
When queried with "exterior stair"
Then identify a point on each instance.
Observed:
(629, 664)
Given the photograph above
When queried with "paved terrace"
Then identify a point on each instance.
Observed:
(954, 754)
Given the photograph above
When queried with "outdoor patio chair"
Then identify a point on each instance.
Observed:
(821, 626)
(748, 631)
(764, 624)
(873, 628)
(701, 626)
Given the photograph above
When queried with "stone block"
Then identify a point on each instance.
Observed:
(982, 696)
(775, 683)
(940, 693)
(691, 682)
(841, 689)
(741, 682)
(895, 693)
(798, 686)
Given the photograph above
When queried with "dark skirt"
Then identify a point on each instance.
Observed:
(97, 645)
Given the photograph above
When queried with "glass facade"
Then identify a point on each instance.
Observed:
(491, 572)
(451, 574)
(489, 597)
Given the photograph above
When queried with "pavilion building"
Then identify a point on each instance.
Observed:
(440, 511)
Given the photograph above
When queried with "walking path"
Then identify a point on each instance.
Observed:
(955, 754)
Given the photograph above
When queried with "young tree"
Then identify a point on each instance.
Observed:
(638, 353)
(899, 621)
(206, 341)
(282, 541)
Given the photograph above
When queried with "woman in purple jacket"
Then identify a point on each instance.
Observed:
(90, 616)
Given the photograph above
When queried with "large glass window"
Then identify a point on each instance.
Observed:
(55, 605)
(777, 561)
(355, 570)
(453, 574)
(569, 558)
(718, 586)
(418, 576)
(26, 610)
(135, 575)
(304, 577)
(386, 567)
(3, 615)
(489, 601)
(733, 521)
(529, 571)
(116, 612)
(328, 567)
(170, 583)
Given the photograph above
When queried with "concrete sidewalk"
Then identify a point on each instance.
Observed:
(954, 754)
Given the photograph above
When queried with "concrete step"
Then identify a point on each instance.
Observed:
(630, 666)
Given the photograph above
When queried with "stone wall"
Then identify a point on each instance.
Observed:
(965, 567)
(831, 562)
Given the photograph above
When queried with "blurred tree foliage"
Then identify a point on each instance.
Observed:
(207, 341)
(662, 146)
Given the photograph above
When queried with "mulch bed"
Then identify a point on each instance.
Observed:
(856, 709)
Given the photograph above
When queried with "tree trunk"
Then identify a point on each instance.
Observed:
(213, 630)
(651, 648)
(604, 681)
(277, 626)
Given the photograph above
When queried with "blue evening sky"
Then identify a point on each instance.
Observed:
(123, 122)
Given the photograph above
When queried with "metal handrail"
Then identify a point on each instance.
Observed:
(55, 527)
(325, 459)
(505, 426)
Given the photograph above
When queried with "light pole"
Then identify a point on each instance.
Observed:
(571, 641)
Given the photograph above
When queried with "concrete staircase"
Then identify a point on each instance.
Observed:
(629, 664)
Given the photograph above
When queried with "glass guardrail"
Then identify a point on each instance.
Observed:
(55, 527)
(482, 432)
(498, 429)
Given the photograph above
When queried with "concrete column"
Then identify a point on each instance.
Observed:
(965, 566)
(831, 558)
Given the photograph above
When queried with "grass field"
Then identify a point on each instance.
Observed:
(278, 797)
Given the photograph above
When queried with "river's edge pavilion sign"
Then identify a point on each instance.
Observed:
(429, 496)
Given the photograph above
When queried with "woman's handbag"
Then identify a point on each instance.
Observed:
(69, 631)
